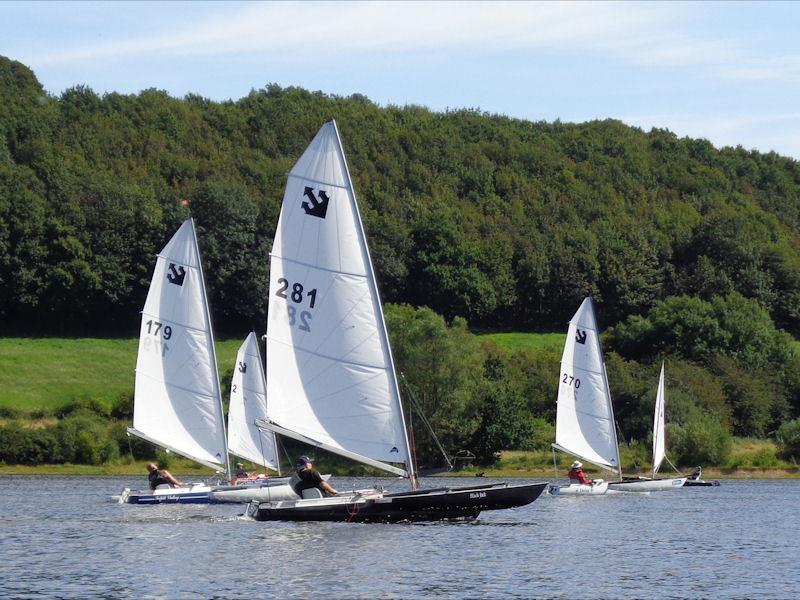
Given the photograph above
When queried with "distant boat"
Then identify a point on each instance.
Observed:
(331, 380)
(585, 425)
(659, 450)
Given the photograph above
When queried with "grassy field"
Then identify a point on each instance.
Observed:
(46, 373)
(535, 342)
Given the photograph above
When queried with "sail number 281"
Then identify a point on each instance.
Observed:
(297, 295)
(297, 292)
(570, 380)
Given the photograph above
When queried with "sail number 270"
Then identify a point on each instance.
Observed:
(570, 380)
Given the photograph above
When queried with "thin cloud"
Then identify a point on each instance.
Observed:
(324, 28)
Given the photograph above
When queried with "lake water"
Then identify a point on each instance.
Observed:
(60, 536)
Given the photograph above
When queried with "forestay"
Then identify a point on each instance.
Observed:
(659, 441)
(330, 377)
(585, 417)
(177, 402)
(248, 403)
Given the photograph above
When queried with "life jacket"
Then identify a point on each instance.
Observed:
(156, 479)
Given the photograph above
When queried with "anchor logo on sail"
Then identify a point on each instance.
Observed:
(316, 208)
(242, 367)
(176, 274)
(580, 336)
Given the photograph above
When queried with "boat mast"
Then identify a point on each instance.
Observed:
(410, 468)
(608, 390)
(228, 471)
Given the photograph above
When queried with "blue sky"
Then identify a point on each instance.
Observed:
(727, 72)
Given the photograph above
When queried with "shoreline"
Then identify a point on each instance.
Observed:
(138, 469)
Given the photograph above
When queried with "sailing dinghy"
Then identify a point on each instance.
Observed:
(331, 381)
(177, 403)
(585, 425)
(248, 403)
(584, 414)
(177, 400)
(659, 450)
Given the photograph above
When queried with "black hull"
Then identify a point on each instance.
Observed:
(698, 483)
(422, 505)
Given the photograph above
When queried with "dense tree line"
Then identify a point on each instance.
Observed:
(506, 223)
(691, 252)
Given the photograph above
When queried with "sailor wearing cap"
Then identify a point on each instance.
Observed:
(308, 478)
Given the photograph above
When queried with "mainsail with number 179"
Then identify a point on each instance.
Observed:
(177, 401)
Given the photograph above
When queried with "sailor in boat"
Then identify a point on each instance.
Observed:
(240, 473)
(158, 477)
(696, 474)
(576, 474)
(309, 478)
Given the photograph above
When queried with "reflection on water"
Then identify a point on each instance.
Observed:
(62, 537)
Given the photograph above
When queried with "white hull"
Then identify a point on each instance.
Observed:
(579, 489)
(265, 493)
(196, 493)
(278, 490)
(648, 485)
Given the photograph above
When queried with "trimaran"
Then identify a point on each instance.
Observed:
(331, 380)
(585, 425)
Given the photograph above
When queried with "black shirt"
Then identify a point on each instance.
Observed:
(309, 478)
(156, 479)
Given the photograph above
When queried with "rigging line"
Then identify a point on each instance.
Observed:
(666, 458)
(555, 468)
(424, 419)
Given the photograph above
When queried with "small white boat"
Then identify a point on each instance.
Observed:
(597, 488)
(585, 425)
(659, 452)
(249, 403)
(177, 401)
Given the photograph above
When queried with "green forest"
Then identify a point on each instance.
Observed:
(476, 223)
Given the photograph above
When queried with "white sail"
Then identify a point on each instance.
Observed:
(330, 376)
(584, 417)
(659, 441)
(177, 401)
(248, 403)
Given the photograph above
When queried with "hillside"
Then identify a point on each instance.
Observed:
(476, 222)
(504, 222)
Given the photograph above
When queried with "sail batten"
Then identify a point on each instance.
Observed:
(177, 401)
(585, 425)
(330, 376)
